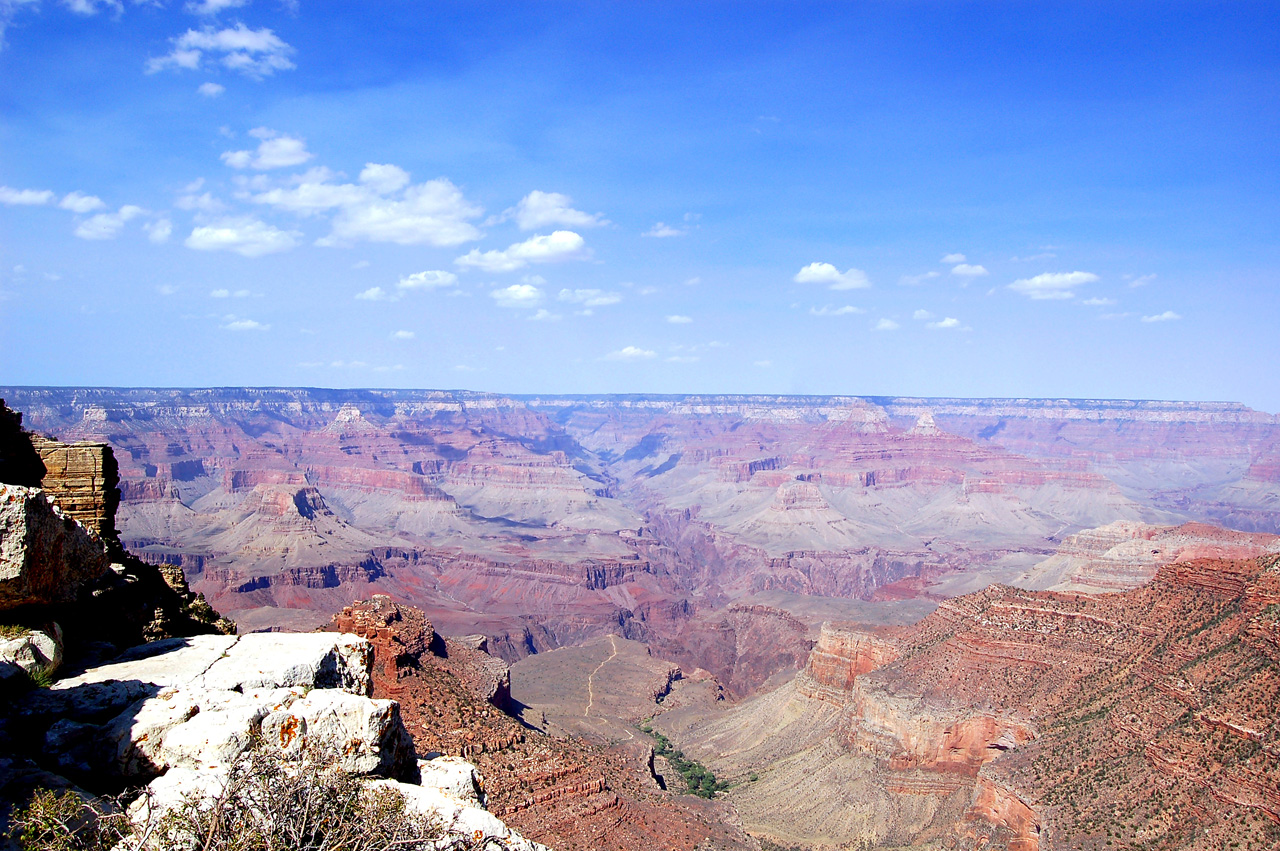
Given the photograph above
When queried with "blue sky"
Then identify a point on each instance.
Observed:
(971, 199)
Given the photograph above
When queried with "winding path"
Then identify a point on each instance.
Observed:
(591, 693)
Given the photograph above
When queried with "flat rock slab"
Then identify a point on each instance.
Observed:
(242, 663)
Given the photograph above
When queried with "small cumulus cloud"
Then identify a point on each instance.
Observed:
(223, 293)
(159, 231)
(954, 258)
(432, 213)
(210, 90)
(964, 270)
(662, 230)
(830, 310)
(234, 324)
(276, 150)
(547, 209)
(1142, 280)
(25, 197)
(558, 246)
(917, 280)
(374, 294)
(942, 324)
(254, 53)
(166, 289)
(78, 202)
(544, 315)
(91, 7)
(1098, 302)
(427, 280)
(886, 325)
(825, 273)
(517, 295)
(922, 315)
(683, 359)
(589, 298)
(631, 353)
(678, 319)
(107, 225)
(213, 7)
(246, 236)
(1052, 285)
(1167, 316)
(402, 335)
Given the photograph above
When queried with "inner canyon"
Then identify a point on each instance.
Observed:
(872, 621)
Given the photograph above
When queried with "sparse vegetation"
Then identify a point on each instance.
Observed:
(699, 780)
(269, 803)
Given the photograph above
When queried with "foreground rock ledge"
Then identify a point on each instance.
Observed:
(176, 714)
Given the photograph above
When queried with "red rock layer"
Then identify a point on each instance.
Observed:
(568, 794)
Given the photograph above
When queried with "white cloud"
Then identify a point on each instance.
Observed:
(1052, 285)
(166, 289)
(213, 7)
(428, 280)
(954, 258)
(949, 322)
(434, 213)
(402, 335)
(25, 197)
(234, 324)
(677, 319)
(663, 230)
(631, 353)
(276, 150)
(225, 293)
(886, 325)
(384, 178)
(159, 231)
(374, 294)
(1048, 255)
(210, 90)
(829, 310)
(1167, 316)
(916, 280)
(90, 7)
(683, 359)
(1098, 302)
(545, 209)
(245, 235)
(544, 315)
(557, 246)
(517, 295)
(78, 202)
(589, 298)
(693, 282)
(254, 53)
(964, 270)
(107, 225)
(205, 203)
(825, 273)
(922, 314)
(1142, 280)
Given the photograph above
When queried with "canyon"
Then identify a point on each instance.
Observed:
(883, 621)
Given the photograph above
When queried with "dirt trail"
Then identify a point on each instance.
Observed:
(591, 694)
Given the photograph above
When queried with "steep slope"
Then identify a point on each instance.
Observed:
(1024, 720)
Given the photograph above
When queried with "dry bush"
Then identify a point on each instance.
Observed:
(270, 803)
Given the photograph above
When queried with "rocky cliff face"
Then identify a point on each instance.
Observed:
(1030, 720)
(565, 502)
(567, 793)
